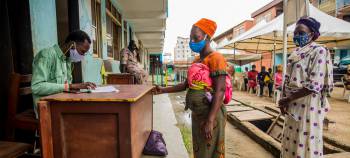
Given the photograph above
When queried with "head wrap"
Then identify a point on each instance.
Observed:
(207, 26)
(312, 24)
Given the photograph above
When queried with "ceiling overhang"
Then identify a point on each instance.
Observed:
(148, 19)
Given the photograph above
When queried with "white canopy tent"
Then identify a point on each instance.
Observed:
(236, 56)
(242, 59)
(269, 37)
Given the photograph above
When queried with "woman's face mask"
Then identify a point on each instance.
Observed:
(75, 56)
(198, 46)
(301, 39)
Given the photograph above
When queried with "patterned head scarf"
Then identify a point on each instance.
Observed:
(207, 26)
(312, 24)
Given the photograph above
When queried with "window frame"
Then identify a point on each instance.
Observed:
(96, 27)
(113, 26)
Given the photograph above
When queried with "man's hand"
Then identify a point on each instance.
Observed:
(86, 85)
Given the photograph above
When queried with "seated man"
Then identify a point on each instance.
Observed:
(264, 79)
(252, 74)
(245, 77)
(52, 70)
(130, 63)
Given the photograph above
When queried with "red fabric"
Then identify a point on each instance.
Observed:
(252, 79)
(228, 90)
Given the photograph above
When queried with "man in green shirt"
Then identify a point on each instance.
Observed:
(52, 69)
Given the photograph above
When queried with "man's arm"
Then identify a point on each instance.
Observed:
(41, 72)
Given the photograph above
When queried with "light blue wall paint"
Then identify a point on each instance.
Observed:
(92, 70)
(115, 66)
(279, 59)
(43, 23)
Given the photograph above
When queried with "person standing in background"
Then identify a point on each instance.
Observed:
(245, 78)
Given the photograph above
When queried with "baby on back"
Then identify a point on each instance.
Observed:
(198, 78)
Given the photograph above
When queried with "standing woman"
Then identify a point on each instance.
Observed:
(208, 118)
(308, 80)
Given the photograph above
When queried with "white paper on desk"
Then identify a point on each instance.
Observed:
(104, 89)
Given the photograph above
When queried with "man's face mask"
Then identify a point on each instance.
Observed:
(74, 55)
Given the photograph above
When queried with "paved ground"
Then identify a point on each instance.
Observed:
(238, 145)
(164, 121)
(340, 113)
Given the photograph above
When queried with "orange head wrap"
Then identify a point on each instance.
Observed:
(207, 26)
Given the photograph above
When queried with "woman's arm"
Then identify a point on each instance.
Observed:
(298, 94)
(177, 88)
(219, 89)
(284, 102)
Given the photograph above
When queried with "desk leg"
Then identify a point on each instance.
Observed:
(45, 130)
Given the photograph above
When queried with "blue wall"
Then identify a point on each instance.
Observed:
(279, 59)
(43, 23)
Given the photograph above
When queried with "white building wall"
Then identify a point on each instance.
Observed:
(182, 51)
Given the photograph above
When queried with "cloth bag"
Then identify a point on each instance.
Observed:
(155, 145)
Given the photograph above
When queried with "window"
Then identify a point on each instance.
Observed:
(117, 40)
(113, 26)
(96, 27)
(113, 31)
(267, 17)
(125, 34)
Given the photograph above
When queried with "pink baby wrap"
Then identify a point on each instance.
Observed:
(198, 78)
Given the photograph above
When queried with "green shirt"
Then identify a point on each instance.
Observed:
(51, 69)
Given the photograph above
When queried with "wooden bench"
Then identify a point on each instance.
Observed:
(19, 86)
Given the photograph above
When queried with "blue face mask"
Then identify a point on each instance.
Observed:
(301, 40)
(197, 46)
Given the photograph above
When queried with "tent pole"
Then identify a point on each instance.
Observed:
(285, 7)
(257, 47)
(274, 52)
(234, 51)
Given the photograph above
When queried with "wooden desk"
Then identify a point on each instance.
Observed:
(120, 78)
(94, 125)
